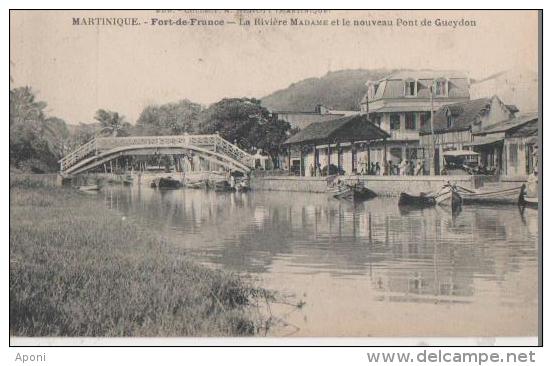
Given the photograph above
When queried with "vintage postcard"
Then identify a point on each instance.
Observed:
(274, 173)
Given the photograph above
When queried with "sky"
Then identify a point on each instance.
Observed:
(79, 69)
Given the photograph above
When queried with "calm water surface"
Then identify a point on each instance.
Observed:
(365, 270)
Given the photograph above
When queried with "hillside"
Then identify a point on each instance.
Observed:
(341, 90)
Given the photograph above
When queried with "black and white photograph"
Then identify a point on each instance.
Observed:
(274, 174)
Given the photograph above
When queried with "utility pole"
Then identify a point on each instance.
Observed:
(432, 152)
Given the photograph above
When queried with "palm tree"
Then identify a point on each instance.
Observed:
(111, 122)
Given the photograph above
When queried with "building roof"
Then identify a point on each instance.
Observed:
(346, 129)
(425, 74)
(509, 124)
(416, 108)
(464, 115)
(487, 140)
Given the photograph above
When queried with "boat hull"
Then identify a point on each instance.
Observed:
(406, 199)
(448, 197)
(352, 193)
(529, 202)
(504, 196)
(166, 183)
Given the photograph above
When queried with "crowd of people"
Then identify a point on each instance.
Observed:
(403, 167)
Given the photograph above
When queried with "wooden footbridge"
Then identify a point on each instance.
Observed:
(101, 150)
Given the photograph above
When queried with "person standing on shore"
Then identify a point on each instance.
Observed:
(419, 168)
(378, 168)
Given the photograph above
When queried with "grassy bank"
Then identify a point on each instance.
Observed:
(78, 269)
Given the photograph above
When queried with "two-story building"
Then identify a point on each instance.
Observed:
(400, 104)
(455, 124)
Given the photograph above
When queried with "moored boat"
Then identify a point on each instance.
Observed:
(421, 200)
(497, 196)
(525, 201)
(223, 186)
(446, 196)
(166, 183)
(89, 187)
(351, 192)
(197, 185)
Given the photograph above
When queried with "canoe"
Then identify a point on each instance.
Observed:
(351, 192)
(501, 196)
(89, 187)
(166, 183)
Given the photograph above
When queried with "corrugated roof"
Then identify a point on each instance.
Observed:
(509, 124)
(356, 127)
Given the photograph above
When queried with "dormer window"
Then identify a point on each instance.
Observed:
(441, 89)
(410, 88)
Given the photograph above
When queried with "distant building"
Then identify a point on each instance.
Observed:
(400, 105)
(303, 119)
(457, 125)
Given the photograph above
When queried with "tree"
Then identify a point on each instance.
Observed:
(36, 142)
(169, 119)
(245, 122)
(112, 123)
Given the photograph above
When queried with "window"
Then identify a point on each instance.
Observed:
(395, 122)
(440, 87)
(410, 121)
(424, 119)
(410, 88)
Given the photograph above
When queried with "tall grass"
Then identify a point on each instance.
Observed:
(78, 269)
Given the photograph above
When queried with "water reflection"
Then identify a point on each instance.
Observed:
(431, 256)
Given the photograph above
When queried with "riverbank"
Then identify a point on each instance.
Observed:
(79, 269)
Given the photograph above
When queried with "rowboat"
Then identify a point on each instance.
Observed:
(89, 187)
(223, 186)
(422, 200)
(351, 192)
(166, 183)
(446, 196)
(500, 196)
(197, 185)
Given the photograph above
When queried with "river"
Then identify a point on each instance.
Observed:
(364, 270)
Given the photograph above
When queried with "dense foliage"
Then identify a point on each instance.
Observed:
(36, 140)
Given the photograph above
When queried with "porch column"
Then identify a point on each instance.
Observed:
(289, 160)
(329, 157)
(353, 167)
(300, 160)
(337, 147)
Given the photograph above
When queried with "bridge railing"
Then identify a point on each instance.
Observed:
(77, 155)
(212, 142)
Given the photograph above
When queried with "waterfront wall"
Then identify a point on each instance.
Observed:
(382, 185)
